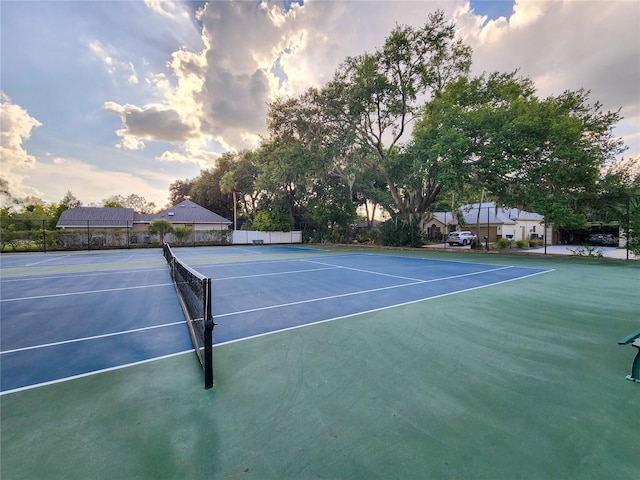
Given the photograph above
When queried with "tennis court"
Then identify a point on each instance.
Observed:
(329, 363)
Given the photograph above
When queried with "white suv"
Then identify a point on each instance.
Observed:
(461, 238)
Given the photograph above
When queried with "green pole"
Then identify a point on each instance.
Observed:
(628, 223)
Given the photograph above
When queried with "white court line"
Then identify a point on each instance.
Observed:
(95, 372)
(250, 264)
(275, 273)
(30, 278)
(47, 260)
(253, 252)
(360, 292)
(84, 339)
(84, 293)
(364, 271)
(426, 299)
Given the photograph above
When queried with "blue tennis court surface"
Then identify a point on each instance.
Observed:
(263, 297)
(61, 325)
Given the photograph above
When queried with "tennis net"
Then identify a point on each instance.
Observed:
(194, 295)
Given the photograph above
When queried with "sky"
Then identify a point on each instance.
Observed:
(106, 98)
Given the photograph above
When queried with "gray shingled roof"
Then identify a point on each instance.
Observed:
(499, 216)
(488, 214)
(190, 212)
(186, 212)
(96, 217)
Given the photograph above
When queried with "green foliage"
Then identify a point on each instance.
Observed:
(182, 233)
(521, 243)
(136, 202)
(368, 236)
(398, 233)
(160, 227)
(207, 191)
(376, 96)
(270, 221)
(180, 190)
(502, 243)
(539, 155)
(68, 201)
(619, 200)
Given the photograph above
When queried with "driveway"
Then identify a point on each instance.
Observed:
(607, 252)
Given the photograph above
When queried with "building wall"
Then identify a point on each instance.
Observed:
(198, 227)
(526, 230)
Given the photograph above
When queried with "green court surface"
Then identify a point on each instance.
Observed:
(521, 380)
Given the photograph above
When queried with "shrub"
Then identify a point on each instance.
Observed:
(271, 221)
(398, 233)
(182, 233)
(502, 243)
(522, 243)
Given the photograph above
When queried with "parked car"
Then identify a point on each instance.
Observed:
(461, 238)
(601, 239)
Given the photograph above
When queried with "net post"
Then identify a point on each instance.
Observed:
(208, 354)
(208, 336)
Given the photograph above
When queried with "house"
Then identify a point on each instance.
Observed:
(186, 213)
(79, 217)
(439, 224)
(122, 226)
(493, 221)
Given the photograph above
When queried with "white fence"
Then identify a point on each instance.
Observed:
(246, 237)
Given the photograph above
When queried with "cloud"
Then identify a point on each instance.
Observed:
(167, 8)
(29, 176)
(567, 45)
(190, 154)
(91, 183)
(152, 122)
(254, 52)
(16, 129)
(116, 68)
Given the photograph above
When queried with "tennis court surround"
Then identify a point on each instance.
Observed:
(521, 379)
